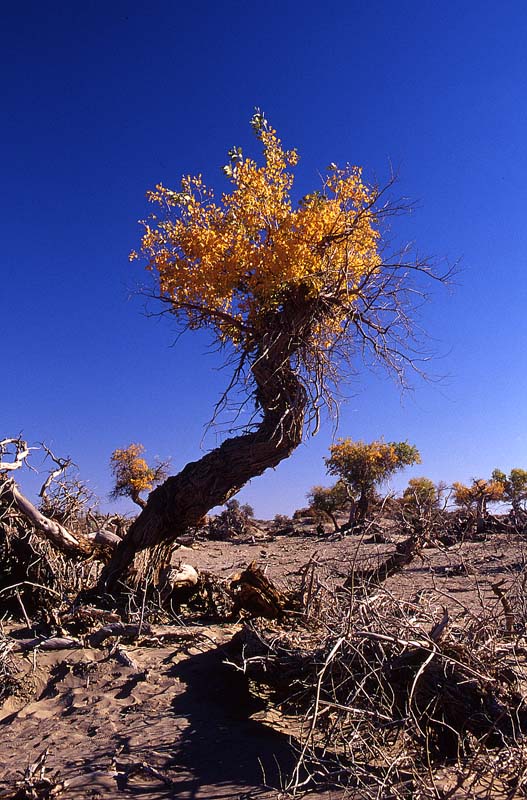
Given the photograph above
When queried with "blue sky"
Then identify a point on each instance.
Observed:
(101, 101)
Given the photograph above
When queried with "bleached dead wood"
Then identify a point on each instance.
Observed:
(21, 453)
(62, 465)
(11, 494)
(133, 631)
(53, 530)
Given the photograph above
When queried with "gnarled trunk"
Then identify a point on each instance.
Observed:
(182, 500)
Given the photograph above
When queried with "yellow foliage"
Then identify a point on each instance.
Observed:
(362, 465)
(227, 264)
(480, 490)
(132, 473)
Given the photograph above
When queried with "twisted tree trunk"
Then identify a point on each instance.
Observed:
(182, 500)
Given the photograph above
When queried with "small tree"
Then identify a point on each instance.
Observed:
(234, 520)
(133, 475)
(362, 466)
(330, 500)
(422, 505)
(514, 487)
(475, 498)
(421, 493)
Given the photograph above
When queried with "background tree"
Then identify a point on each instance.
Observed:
(476, 497)
(234, 520)
(514, 487)
(330, 500)
(290, 293)
(422, 493)
(133, 475)
(362, 466)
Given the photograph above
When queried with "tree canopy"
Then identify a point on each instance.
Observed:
(362, 465)
(133, 475)
(238, 265)
(514, 486)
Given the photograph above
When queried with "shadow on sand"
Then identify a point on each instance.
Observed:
(222, 752)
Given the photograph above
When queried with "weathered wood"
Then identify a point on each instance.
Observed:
(60, 536)
(53, 643)
(254, 592)
(184, 499)
(134, 631)
(404, 553)
(53, 530)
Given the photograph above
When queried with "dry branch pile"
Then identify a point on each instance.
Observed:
(387, 693)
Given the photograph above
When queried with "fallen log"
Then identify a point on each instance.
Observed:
(134, 631)
(404, 553)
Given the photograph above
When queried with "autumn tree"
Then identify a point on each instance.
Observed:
(422, 493)
(476, 497)
(133, 475)
(362, 466)
(290, 292)
(330, 500)
(514, 487)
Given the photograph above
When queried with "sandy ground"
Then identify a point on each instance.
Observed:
(181, 723)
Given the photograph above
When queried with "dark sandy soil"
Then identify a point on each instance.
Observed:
(181, 723)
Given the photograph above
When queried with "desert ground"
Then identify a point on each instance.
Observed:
(164, 714)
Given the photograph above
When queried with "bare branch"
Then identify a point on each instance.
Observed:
(62, 465)
(21, 453)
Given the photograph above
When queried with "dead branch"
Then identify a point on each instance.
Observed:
(404, 553)
(21, 453)
(507, 608)
(253, 592)
(62, 465)
(134, 631)
(60, 536)
(53, 643)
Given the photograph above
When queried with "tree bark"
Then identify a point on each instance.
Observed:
(184, 499)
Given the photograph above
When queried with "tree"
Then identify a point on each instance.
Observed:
(362, 466)
(133, 475)
(476, 497)
(422, 493)
(289, 293)
(234, 520)
(514, 487)
(330, 500)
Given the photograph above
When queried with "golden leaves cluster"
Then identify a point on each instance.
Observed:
(480, 490)
(227, 264)
(362, 465)
(132, 473)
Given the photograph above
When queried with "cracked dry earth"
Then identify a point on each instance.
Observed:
(182, 724)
